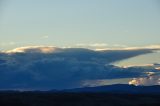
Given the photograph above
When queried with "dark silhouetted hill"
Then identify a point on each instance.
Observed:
(111, 95)
(119, 88)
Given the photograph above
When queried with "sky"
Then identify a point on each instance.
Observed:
(141, 60)
(78, 43)
(71, 22)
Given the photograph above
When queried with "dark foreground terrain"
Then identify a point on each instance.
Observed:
(77, 99)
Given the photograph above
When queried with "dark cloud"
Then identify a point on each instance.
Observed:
(50, 68)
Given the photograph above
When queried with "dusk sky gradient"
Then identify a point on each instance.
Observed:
(70, 22)
(46, 44)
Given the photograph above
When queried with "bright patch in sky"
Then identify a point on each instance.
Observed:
(141, 60)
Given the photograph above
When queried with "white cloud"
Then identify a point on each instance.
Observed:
(45, 37)
(120, 46)
(153, 47)
(34, 49)
(151, 79)
(92, 45)
(98, 45)
(7, 43)
(103, 46)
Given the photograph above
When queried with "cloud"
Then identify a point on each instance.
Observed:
(151, 79)
(7, 44)
(45, 37)
(48, 67)
(93, 46)
(99, 45)
(34, 49)
(105, 56)
(104, 46)
(124, 47)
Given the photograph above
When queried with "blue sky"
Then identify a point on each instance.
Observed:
(130, 26)
(70, 22)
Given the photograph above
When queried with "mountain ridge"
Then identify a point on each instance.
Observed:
(118, 88)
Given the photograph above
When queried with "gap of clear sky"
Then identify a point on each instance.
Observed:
(69, 22)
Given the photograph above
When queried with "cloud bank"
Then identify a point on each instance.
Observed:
(41, 67)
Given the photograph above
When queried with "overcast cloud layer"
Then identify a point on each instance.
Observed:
(40, 67)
